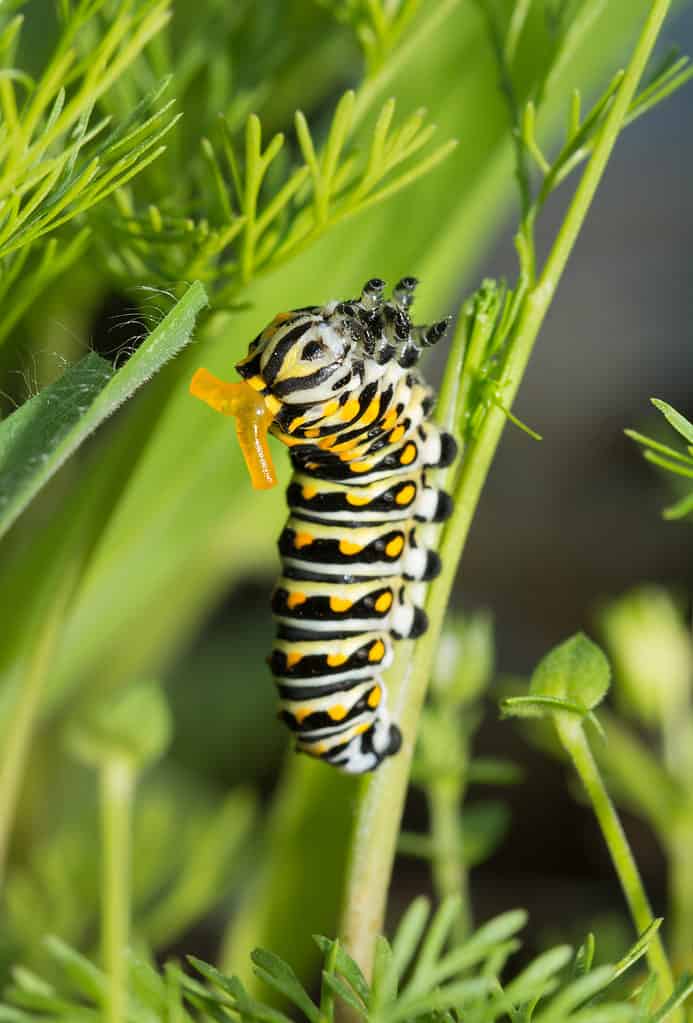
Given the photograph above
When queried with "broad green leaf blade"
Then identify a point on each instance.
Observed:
(41, 435)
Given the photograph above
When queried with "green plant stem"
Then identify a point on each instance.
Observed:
(447, 848)
(381, 798)
(679, 844)
(117, 783)
(572, 736)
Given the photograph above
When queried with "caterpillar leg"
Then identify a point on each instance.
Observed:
(420, 564)
(439, 447)
(432, 505)
(407, 620)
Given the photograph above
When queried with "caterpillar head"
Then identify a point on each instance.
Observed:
(300, 356)
(309, 354)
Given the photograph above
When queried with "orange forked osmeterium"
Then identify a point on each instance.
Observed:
(253, 420)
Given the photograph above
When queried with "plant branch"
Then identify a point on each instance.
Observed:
(381, 798)
(573, 739)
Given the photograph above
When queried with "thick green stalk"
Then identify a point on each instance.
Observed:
(573, 739)
(117, 781)
(381, 798)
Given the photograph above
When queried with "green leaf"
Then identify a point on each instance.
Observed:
(344, 992)
(682, 990)
(41, 435)
(345, 965)
(576, 671)
(279, 975)
(675, 419)
(409, 932)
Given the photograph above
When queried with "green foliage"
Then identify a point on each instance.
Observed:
(418, 977)
(36, 440)
(675, 461)
(264, 212)
(111, 572)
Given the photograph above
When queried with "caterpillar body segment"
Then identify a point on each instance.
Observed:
(341, 385)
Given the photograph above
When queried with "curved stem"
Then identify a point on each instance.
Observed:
(381, 798)
(575, 742)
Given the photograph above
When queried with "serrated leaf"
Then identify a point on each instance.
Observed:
(41, 435)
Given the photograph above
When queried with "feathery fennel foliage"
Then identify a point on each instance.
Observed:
(675, 461)
(416, 978)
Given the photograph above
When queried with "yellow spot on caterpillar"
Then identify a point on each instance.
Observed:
(408, 455)
(361, 466)
(320, 748)
(357, 500)
(292, 659)
(361, 729)
(374, 697)
(406, 494)
(295, 423)
(334, 660)
(371, 413)
(338, 712)
(330, 407)
(377, 651)
(394, 548)
(308, 492)
(281, 318)
(311, 465)
(252, 420)
(327, 442)
(296, 598)
(302, 713)
(390, 419)
(273, 404)
(350, 410)
(313, 432)
(340, 603)
(396, 434)
(383, 602)
(347, 547)
(303, 539)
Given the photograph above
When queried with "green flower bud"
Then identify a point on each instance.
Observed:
(134, 723)
(652, 654)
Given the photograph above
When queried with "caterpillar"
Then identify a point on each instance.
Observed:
(338, 385)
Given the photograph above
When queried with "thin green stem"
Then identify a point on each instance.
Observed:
(447, 848)
(679, 844)
(575, 742)
(381, 799)
(117, 783)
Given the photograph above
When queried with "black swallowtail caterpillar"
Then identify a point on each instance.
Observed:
(337, 384)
